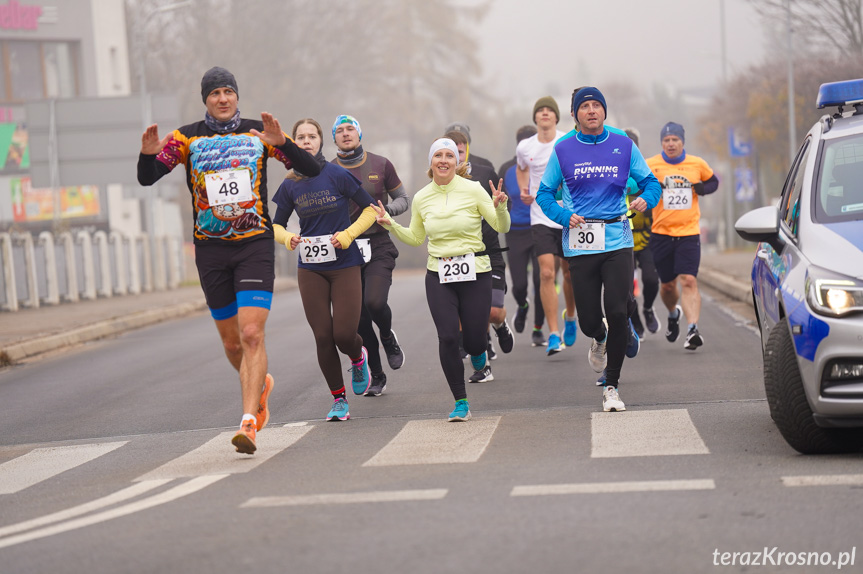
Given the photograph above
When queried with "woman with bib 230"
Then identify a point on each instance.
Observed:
(449, 211)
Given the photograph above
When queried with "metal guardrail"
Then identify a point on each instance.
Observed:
(67, 268)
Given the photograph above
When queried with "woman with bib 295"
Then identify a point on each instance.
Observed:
(329, 263)
(449, 211)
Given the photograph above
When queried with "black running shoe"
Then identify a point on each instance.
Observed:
(395, 355)
(537, 339)
(482, 376)
(504, 337)
(521, 317)
(379, 385)
(693, 339)
(650, 320)
(673, 329)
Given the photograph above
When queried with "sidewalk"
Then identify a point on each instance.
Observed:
(30, 332)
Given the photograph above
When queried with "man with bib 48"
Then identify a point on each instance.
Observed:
(593, 166)
(225, 158)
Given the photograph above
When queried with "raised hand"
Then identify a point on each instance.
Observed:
(381, 214)
(150, 142)
(272, 133)
(497, 195)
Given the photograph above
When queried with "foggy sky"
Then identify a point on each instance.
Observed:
(525, 50)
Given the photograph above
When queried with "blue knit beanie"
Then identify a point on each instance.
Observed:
(585, 94)
(345, 119)
(672, 129)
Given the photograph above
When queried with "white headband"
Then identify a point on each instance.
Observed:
(443, 143)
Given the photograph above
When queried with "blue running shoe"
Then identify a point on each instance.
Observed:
(340, 411)
(461, 412)
(361, 377)
(600, 382)
(570, 330)
(478, 362)
(634, 342)
(553, 346)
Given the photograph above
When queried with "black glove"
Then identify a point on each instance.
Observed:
(698, 188)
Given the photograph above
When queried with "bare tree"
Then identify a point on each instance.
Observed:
(834, 25)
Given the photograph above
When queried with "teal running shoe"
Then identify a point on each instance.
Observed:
(340, 411)
(478, 362)
(361, 377)
(461, 412)
(570, 330)
(553, 346)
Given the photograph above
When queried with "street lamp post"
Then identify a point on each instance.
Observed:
(146, 104)
(792, 122)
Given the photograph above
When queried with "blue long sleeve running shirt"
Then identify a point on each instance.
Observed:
(592, 172)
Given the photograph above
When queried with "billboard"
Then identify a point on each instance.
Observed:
(37, 204)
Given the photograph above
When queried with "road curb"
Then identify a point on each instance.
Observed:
(728, 286)
(18, 351)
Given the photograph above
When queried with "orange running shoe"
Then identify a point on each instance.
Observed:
(262, 417)
(244, 440)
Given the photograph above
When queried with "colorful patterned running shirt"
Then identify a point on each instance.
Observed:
(203, 152)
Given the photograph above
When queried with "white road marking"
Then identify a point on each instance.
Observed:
(824, 480)
(170, 495)
(217, 457)
(644, 433)
(437, 442)
(346, 498)
(611, 487)
(43, 463)
(121, 496)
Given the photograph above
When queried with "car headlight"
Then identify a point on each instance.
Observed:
(832, 294)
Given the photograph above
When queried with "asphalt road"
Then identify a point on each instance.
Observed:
(115, 457)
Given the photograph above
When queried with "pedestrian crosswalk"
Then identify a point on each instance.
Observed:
(411, 444)
(214, 458)
(43, 463)
(437, 442)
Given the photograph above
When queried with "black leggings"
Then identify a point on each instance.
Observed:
(613, 271)
(377, 279)
(520, 243)
(649, 276)
(375, 310)
(341, 291)
(468, 302)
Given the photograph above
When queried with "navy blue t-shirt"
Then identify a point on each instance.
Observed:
(322, 203)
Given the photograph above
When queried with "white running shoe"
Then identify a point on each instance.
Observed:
(597, 356)
(611, 400)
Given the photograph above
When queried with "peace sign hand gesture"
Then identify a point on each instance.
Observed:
(381, 214)
(497, 195)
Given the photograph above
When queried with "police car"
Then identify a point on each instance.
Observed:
(807, 282)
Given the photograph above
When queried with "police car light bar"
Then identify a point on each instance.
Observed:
(845, 93)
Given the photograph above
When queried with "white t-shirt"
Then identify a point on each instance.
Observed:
(531, 154)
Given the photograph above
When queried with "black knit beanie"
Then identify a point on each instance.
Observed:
(217, 77)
